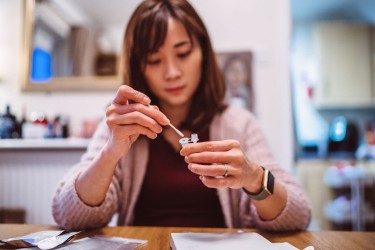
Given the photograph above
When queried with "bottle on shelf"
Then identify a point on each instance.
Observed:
(8, 124)
(36, 127)
(22, 122)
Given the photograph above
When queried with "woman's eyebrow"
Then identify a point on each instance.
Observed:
(182, 43)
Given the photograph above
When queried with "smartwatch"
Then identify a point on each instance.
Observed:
(267, 187)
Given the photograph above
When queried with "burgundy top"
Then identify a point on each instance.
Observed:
(171, 195)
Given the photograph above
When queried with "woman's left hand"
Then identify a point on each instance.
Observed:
(223, 164)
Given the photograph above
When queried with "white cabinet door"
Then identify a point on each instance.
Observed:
(310, 174)
(344, 65)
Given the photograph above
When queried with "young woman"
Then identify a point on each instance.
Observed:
(135, 166)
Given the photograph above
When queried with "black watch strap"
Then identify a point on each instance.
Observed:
(267, 187)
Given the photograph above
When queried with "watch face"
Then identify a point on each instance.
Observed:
(270, 182)
(267, 189)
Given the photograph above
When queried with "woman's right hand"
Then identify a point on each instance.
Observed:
(129, 120)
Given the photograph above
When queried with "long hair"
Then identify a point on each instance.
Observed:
(146, 32)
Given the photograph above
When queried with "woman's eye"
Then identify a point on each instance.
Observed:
(184, 54)
(153, 62)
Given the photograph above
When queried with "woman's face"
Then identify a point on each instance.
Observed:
(237, 74)
(173, 72)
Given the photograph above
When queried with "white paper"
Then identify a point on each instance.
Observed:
(285, 246)
(220, 241)
(52, 242)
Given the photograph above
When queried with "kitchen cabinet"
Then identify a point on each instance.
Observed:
(30, 170)
(312, 174)
(345, 65)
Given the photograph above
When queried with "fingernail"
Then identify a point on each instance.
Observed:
(166, 119)
(201, 177)
(146, 99)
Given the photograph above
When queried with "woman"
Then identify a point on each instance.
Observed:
(135, 165)
(238, 79)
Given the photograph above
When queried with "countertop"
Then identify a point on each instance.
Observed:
(53, 143)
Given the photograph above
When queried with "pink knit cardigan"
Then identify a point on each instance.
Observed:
(239, 212)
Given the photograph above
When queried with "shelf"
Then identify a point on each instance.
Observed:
(58, 143)
(340, 211)
(346, 176)
(345, 105)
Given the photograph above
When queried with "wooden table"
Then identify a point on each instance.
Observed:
(159, 237)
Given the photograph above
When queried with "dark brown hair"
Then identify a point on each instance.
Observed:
(146, 32)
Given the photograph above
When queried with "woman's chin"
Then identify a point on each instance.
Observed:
(176, 102)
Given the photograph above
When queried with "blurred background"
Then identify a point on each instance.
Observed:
(308, 72)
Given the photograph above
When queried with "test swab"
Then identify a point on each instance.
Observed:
(170, 124)
(177, 131)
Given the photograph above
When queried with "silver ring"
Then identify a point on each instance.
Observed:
(226, 170)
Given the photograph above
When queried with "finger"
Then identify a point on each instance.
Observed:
(231, 156)
(134, 129)
(137, 107)
(126, 93)
(210, 146)
(210, 158)
(154, 107)
(134, 118)
(213, 170)
(214, 182)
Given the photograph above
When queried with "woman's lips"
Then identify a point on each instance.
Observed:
(175, 90)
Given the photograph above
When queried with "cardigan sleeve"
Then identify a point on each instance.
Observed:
(297, 213)
(68, 210)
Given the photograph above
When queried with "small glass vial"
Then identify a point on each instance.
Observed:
(184, 141)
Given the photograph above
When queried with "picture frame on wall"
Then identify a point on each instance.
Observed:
(237, 72)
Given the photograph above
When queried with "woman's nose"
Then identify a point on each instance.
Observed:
(172, 70)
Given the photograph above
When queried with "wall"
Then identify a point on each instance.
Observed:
(260, 26)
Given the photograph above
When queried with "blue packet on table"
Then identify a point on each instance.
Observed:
(43, 239)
